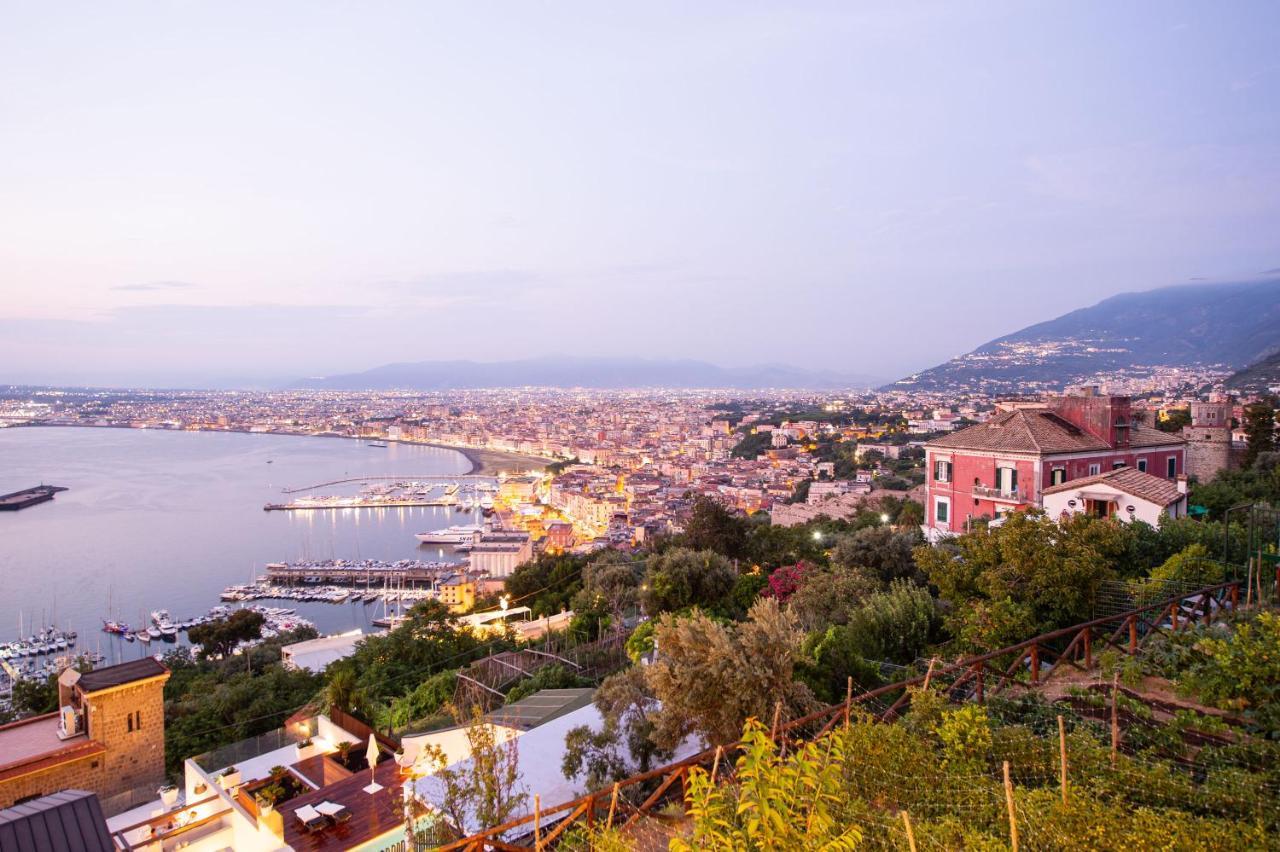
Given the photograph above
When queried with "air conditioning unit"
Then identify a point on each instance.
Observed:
(70, 722)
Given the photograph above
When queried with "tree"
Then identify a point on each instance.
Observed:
(682, 578)
(1174, 420)
(828, 596)
(626, 705)
(547, 584)
(779, 802)
(885, 554)
(710, 678)
(1259, 430)
(481, 791)
(611, 583)
(713, 527)
(220, 637)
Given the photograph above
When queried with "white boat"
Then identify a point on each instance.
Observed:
(451, 535)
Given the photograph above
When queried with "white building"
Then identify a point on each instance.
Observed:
(1125, 493)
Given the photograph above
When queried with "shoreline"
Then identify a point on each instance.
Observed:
(481, 460)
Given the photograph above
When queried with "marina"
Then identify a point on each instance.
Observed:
(357, 573)
(462, 493)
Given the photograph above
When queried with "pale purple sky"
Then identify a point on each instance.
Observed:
(249, 192)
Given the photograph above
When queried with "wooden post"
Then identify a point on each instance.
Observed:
(537, 822)
(715, 767)
(1133, 634)
(929, 674)
(1173, 615)
(1035, 664)
(911, 835)
(777, 712)
(1235, 596)
(1062, 757)
(848, 700)
(1088, 648)
(1013, 815)
(1248, 592)
(982, 670)
(1115, 719)
(613, 804)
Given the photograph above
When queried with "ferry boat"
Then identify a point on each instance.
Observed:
(459, 534)
(381, 444)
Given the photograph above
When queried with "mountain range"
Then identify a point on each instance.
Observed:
(1227, 325)
(1259, 377)
(575, 372)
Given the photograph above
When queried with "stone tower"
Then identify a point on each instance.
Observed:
(1209, 438)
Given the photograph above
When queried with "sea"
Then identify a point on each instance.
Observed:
(159, 519)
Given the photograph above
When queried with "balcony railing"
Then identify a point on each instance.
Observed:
(1014, 496)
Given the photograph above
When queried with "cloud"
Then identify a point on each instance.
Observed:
(155, 285)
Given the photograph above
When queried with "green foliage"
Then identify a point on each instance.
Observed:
(682, 578)
(881, 552)
(831, 596)
(626, 705)
(1028, 576)
(391, 665)
(1241, 671)
(752, 445)
(777, 802)
(484, 788)
(554, 676)
(220, 637)
(966, 738)
(547, 585)
(428, 699)
(710, 678)
(1259, 430)
(713, 527)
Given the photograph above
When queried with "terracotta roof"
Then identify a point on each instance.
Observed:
(119, 675)
(1038, 430)
(1130, 480)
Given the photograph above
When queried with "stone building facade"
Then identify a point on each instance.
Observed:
(1208, 438)
(107, 736)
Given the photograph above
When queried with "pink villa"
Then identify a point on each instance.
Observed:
(1007, 462)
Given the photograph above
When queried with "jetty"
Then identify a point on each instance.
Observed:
(361, 573)
(28, 497)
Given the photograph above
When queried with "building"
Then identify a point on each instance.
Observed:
(71, 819)
(1125, 493)
(559, 536)
(499, 552)
(458, 592)
(107, 737)
(314, 655)
(1208, 438)
(1007, 462)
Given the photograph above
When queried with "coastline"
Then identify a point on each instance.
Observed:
(483, 461)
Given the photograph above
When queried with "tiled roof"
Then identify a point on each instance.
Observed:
(118, 675)
(71, 819)
(1130, 480)
(1039, 430)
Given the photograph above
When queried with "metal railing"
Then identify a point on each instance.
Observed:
(1013, 496)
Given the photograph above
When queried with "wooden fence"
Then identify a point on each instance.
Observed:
(1026, 665)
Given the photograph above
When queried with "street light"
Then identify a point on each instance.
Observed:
(884, 517)
(817, 535)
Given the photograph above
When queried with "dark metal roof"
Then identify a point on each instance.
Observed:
(71, 819)
(121, 674)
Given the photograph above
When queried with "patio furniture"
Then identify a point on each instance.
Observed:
(334, 811)
(310, 819)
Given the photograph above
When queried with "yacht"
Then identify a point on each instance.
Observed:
(460, 534)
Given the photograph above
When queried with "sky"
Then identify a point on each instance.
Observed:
(243, 193)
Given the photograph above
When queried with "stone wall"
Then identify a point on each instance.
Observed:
(129, 721)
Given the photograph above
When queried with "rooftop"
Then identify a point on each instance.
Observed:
(71, 819)
(33, 744)
(1039, 430)
(1130, 480)
(112, 676)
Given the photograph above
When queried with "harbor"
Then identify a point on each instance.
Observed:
(464, 493)
(356, 574)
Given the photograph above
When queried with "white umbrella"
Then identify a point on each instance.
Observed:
(371, 754)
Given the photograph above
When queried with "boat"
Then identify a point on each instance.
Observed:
(381, 444)
(459, 534)
(115, 627)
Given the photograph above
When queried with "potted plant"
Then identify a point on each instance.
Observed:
(305, 749)
(168, 796)
(200, 788)
(229, 778)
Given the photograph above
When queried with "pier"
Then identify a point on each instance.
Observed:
(362, 573)
(355, 503)
(443, 479)
(28, 497)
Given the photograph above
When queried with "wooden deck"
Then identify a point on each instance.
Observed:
(371, 815)
(322, 770)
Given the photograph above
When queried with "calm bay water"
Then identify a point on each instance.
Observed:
(156, 519)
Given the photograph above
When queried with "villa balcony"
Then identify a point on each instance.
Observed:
(999, 495)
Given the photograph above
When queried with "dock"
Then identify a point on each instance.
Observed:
(358, 574)
(322, 504)
(28, 497)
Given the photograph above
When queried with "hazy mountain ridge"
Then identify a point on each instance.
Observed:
(1230, 324)
(598, 373)
(1259, 377)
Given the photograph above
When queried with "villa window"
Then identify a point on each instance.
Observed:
(1142, 465)
(1173, 466)
(1095, 469)
(942, 471)
(1117, 465)
(1006, 480)
(942, 511)
(1058, 476)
